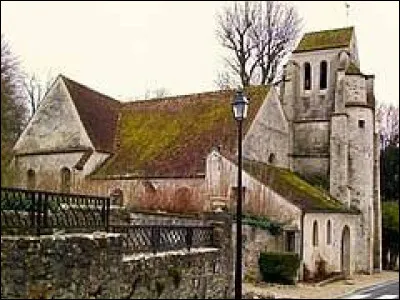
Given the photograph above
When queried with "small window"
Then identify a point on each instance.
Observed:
(117, 197)
(252, 234)
(31, 179)
(307, 76)
(65, 180)
(315, 234)
(361, 123)
(290, 240)
(323, 75)
(329, 233)
(271, 158)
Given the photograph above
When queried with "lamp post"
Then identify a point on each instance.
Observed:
(240, 107)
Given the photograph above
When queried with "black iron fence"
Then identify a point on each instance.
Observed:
(156, 238)
(40, 211)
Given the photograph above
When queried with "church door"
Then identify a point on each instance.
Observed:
(345, 253)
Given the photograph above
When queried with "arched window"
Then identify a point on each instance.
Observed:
(307, 76)
(65, 180)
(315, 234)
(31, 179)
(323, 75)
(271, 158)
(328, 232)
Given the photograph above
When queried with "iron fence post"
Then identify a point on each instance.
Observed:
(32, 208)
(45, 212)
(108, 202)
(155, 238)
(189, 237)
(38, 201)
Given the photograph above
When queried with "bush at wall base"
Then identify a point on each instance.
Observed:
(280, 267)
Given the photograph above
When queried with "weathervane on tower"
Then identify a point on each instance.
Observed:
(347, 5)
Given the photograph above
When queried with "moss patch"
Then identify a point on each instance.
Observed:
(327, 39)
(352, 69)
(292, 187)
(176, 274)
(172, 136)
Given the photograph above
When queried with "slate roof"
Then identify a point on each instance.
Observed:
(326, 39)
(290, 186)
(98, 113)
(171, 137)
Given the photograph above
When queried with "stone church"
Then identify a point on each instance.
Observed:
(311, 156)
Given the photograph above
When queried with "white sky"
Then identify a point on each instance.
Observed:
(123, 48)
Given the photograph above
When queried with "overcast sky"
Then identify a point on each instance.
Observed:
(124, 48)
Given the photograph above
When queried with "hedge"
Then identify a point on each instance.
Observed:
(279, 267)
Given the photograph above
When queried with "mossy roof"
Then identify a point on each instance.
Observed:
(171, 137)
(290, 186)
(326, 39)
(352, 69)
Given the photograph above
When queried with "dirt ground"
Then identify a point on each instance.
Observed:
(328, 291)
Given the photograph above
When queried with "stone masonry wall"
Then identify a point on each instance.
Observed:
(268, 137)
(79, 266)
(56, 125)
(329, 250)
(255, 241)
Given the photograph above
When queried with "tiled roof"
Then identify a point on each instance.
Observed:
(327, 39)
(171, 137)
(293, 188)
(98, 113)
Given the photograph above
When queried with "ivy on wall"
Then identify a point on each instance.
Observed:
(274, 227)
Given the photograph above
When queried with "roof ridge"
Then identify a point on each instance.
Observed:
(90, 89)
(176, 97)
(328, 30)
(180, 97)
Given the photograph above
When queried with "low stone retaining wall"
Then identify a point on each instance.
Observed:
(84, 266)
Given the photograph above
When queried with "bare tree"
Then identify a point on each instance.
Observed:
(259, 35)
(13, 108)
(36, 89)
(388, 124)
(234, 26)
(225, 80)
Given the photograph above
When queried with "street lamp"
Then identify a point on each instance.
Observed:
(240, 106)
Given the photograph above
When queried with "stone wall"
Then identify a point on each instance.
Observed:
(312, 167)
(361, 177)
(315, 103)
(326, 249)
(255, 241)
(267, 140)
(311, 137)
(83, 266)
(56, 125)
